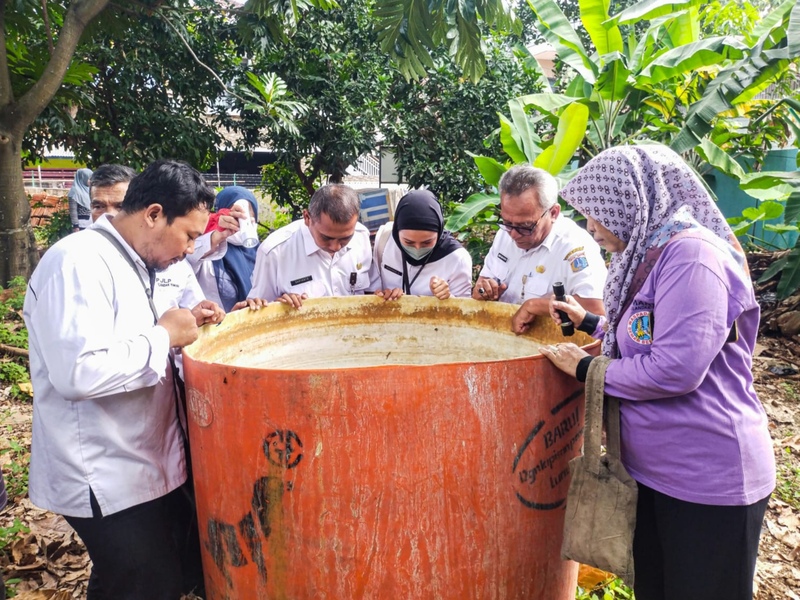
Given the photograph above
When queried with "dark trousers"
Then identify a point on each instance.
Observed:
(688, 551)
(150, 551)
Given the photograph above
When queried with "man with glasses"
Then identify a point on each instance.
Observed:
(326, 253)
(536, 247)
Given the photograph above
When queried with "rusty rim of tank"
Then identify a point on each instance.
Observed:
(242, 325)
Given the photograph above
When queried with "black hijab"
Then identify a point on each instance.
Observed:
(419, 210)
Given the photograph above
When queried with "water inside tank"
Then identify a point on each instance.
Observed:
(365, 331)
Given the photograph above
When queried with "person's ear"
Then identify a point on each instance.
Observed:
(306, 217)
(152, 214)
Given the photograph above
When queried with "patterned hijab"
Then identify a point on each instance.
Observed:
(644, 195)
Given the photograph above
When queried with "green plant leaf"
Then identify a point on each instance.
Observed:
(781, 228)
(772, 210)
(557, 30)
(511, 140)
(522, 123)
(614, 80)
(792, 211)
(651, 9)
(741, 227)
(490, 169)
(718, 97)
(606, 38)
(685, 28)
(547, 102)
(718, 158)
(793, 31)
(472, 206)
(691, 57)
(569, 136)
(773, 19)
(775, 268)
(790, 276)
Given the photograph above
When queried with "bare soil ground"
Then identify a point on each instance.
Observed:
(49, 561)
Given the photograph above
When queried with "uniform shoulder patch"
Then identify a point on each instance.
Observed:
(577, 259)
(640, 328)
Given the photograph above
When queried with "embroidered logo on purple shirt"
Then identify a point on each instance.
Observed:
(639, 328)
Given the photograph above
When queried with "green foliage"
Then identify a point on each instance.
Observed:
(16, 471)
(332, 66)
(284, 187)
(9, 534)
(788, 484)
(13, 369)
(614, 590)
(434, 125)
(272, 101)
(138, 60)
(409, 31)
(57, 226)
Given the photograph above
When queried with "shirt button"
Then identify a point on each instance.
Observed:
(336, 290)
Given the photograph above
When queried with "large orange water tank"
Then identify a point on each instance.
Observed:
(357, 448)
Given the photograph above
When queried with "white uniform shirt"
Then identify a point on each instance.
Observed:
(177, 287)
(104, 411)
(455, 269)
(204, 267)
(289, 261)
(568, 254)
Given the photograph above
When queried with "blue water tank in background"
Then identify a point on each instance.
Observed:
(732, 200)
(374, 208)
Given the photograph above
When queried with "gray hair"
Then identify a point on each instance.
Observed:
(520, 178)
(110, 175)
(340, 202)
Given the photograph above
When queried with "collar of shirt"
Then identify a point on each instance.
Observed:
(311, 247)
(105, 223)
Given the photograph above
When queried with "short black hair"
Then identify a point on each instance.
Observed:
(176, 186)
(340, 202)
(109, 175)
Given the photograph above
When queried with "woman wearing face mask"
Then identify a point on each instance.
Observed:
(227, 280)
(420, 257)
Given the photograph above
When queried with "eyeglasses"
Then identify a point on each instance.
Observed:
(523, 230)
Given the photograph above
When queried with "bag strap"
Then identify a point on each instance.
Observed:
(177, 382)
(148, 291)
(593, 426)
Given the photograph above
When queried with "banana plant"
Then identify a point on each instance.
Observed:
(631, 88)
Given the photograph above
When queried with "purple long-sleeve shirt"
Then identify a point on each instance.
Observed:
(692, 425)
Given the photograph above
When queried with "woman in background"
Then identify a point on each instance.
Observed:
(80, 205)
(227, 280)
(421, 258)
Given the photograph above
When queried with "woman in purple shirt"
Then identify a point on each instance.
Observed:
(681, 322)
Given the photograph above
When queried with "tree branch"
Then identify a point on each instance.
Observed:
(13, 350)
(6, 95)
(47, 27)
(36, 99)
(200, 62)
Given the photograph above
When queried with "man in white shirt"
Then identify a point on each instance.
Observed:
(327, 253)
(108, 448)
(177, 285)
(536, 246)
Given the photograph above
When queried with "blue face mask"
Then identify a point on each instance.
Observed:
(417, 253)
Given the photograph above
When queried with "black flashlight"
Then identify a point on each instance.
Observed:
(567, 328)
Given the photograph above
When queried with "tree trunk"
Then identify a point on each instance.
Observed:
(17, 243)
(18, 254)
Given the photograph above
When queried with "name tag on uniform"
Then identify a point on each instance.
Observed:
(502, 257)
(301, 280)
(393, 270)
